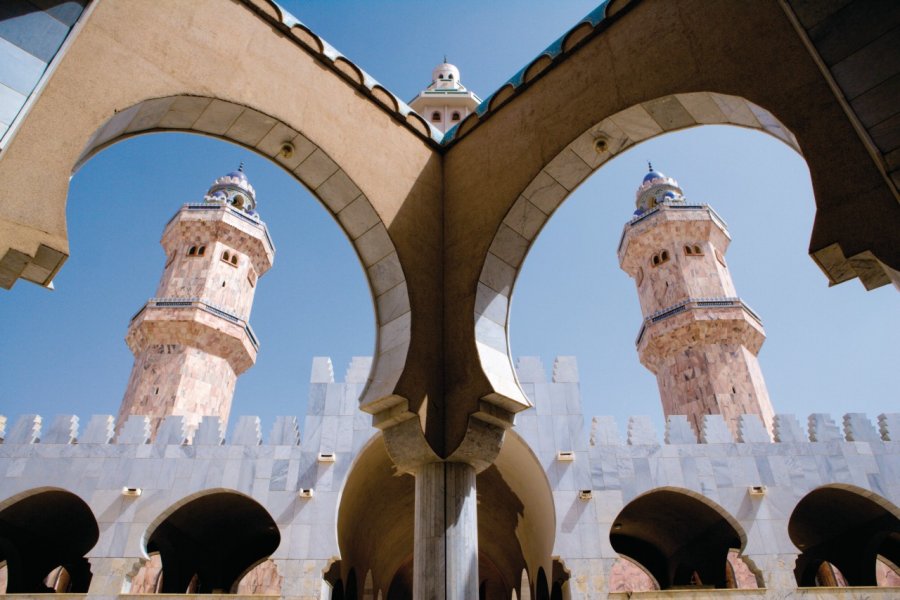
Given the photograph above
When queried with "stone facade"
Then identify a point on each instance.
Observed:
(591, 473)
(698, 338)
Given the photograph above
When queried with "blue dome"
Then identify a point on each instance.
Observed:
(238, 174)
(653, 175)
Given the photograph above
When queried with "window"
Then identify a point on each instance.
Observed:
(693, 250)
(192, 251)
(455, 116)
(201, 251)
(230, 258)
(659, 258)
(640, 275)
(436, 117)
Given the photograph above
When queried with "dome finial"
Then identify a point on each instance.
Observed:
(241, 167)
(445, 59)
(649, 167)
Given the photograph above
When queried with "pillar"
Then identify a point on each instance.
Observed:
(445, 564)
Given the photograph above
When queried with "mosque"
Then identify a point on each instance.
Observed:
(440, 468)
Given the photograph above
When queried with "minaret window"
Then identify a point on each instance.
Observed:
(693, 250)
(660, 258)
(229, 258)
(201, 251)
(455, 116)
(192, 251)
(436, 117)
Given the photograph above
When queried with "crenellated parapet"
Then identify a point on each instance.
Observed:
(599, 477)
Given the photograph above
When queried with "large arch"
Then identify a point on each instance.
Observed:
(315, 170)
(642, 62)
(42, 530)
(209, 541)
(845, 526)
(516, 519)
(372, 163)
(556, 181)
(679, 537)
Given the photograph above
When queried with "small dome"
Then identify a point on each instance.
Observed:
(653, 175)
(233, 188)
(657, 188)
(445, 72)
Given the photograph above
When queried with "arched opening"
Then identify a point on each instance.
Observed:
(572, 298)
(541, 588)
(43, 539)
(680, 540)
(300, 159)
(843, 535)
(436, 117)
(337, 301)
(516, 520)
(209, 543)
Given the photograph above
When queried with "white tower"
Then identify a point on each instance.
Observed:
(446, 102)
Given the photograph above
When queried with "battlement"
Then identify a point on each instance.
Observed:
(285, 431)
(299, 470)
(559, 397)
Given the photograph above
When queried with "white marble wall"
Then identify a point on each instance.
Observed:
(38, 453)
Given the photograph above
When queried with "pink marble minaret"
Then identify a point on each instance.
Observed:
(193, 339)
(698, 337)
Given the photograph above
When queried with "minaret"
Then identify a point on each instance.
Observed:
(446, 102)
(193, 339)
(698, 338)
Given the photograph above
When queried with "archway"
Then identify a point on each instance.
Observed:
(556, 181)
(319, 173)
(47, 531)
(208, 543)
(679, 538)
(516, 521)
(847, 528)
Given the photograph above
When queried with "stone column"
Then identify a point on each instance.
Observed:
(446, 532)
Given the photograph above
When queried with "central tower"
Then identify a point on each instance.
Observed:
(698, 337)
(446, 102)
(193, 339)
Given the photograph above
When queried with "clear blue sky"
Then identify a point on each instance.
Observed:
(828, 350)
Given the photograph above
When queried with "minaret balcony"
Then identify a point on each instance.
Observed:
(197, 323)
(698, 322)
